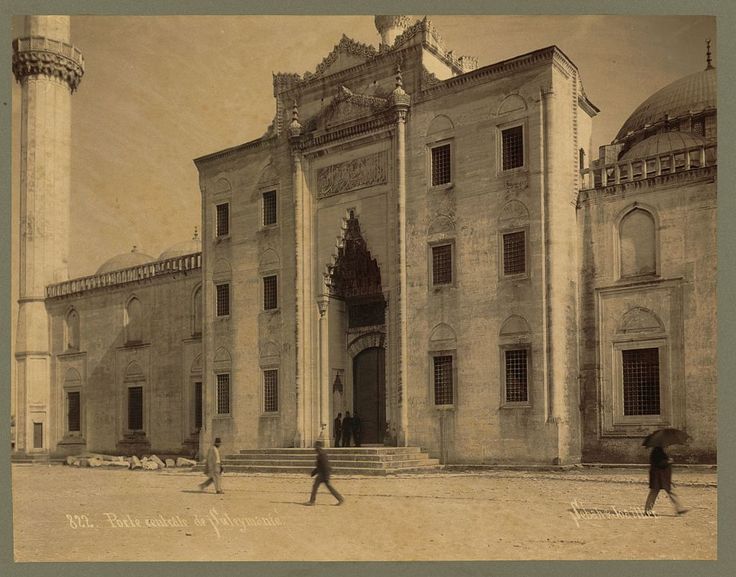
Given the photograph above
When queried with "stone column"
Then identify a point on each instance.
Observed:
(400, 102)
(323, 302)
(48, 69)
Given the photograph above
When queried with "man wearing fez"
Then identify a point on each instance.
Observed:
(213, 467)
(347, 429)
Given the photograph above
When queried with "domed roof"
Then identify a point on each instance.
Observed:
(125, 260)
(662, 143)
(183, 247)
(693, 93)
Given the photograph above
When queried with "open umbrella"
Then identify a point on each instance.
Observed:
(666, 437)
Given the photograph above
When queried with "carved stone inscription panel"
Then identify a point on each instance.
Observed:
(352, 175)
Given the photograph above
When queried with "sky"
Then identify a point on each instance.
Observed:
(160, 91)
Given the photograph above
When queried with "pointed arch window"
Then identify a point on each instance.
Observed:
(638, 244)
(197, 312)
(71, 326)
(134, 321)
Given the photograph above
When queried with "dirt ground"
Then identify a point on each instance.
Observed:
(68, 514)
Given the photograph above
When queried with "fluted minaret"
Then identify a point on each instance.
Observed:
(49, 70)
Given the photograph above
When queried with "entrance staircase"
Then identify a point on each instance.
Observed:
(365, 460)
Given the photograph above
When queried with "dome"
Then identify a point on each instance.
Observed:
(691, 94)
(125, 260)
(662, 143)
(183, 247)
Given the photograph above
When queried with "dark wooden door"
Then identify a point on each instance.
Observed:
(369, 394)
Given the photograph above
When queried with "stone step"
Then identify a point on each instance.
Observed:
(309, 457)
(335, 471)
(334, 451)
(336, 464)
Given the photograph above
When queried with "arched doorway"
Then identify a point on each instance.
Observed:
(369, 393)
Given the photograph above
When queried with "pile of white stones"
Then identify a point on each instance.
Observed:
(147, 463)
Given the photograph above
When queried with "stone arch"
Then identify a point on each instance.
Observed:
(270, 349)
(197, 308)
(369, 340)
(269, 260)
(196, 367)
(439, 126)
(441, 225)
(71, 330)
(221, 186)
(442, 337)
(221, 269)
(222, 355)
(513, 326)
(134, 316)
(268, 175)
(513, 214)
(637, 241)
(640, 320)
(134, 373)
(511, 103)
(72, 378)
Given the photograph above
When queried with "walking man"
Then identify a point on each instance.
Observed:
(213, 468)
(338, 429)
(321, 475)
(347, 429)
(660, 477)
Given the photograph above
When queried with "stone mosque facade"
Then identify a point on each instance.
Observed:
(428, 243)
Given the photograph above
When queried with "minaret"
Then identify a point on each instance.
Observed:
(390, 27)
(48, 69)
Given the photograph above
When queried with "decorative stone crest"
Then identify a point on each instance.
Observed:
(346, 106)
(352, 175)
(345, 46)
(41, 56)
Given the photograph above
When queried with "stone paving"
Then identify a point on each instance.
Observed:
(70, 514)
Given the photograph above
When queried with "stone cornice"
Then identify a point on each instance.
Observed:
(253, 144)
(706, 173)
(35, 55)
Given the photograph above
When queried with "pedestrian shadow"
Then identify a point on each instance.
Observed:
(196, 491)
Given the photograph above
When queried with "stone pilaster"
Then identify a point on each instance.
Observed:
(48, 69)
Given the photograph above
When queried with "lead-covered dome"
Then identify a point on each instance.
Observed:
(692, 94)
(125, 260)
(662, 143)
(183, 248)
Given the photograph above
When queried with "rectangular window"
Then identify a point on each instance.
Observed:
(271, 390)
(222, 225)
(135, 408)
(223, 300)
(197, 406)
(442, 264)
(270, 293)
(699, 127)
(514, 253)
(641, 381)
(441, 170)
(443, 393)
(512, 147)
(74, 411)
(38, 435)
(517, 390)
(269, 208)
(223, 394)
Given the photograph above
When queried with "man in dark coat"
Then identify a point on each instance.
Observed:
(321, 475)
(660, 478)
(347, 429)
(338, 429)
(213, 468)
(356, 429)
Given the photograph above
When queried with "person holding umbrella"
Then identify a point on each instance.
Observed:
(660, 467)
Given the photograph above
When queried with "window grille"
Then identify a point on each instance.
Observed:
(223, 394)
(269, 207)
(135, 408)
(512, 140)
(514, 253)
(443, 393)
(641, 381)
(270, 293)
(442, 264)
(270, 390)
(441, 170)
(197, 406)
(223, 300)
(699, 127)
(516, 376)
(74, 412)
(222, 226)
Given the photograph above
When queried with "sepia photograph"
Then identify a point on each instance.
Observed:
(362, 287)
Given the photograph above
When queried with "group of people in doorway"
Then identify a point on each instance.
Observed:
(347, 428)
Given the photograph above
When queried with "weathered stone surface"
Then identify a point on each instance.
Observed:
(150, 465)
(135, 463)
(170, 463)
(95, 462)
(158, 461)
(70, 460)
(182, 462)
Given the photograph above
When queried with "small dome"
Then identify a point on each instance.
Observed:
(691, 94)
(662, 143)
(125, 260)
(182, 248)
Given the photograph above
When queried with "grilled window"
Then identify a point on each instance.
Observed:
(641, 381)
(223, 300)
(517, 390)
(442, 264)
(135, 408)
(441, 170)
(223, 394)
(38, 435)
(197, 406)
(514, 253)
(269, 207)
(443, 393)
(222, 225)
(270, 293)
(699, 127)
(512, 142)
(270, 390)
(74, 412)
